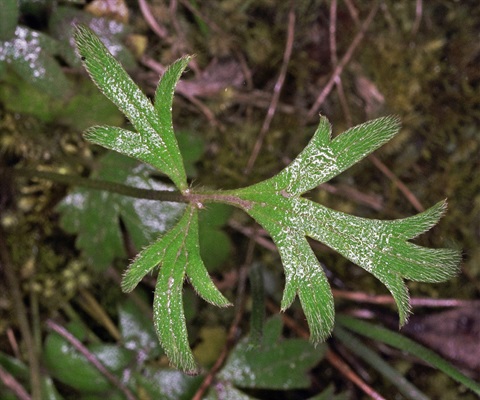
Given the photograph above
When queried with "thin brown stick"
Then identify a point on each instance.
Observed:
(11, 383)
(182, 88)
(343, 62)
(233, 331)
(418, 17)
(370, 200)
(397, 182)
(13, 343)
(159, 30)
(414, 301)
(333, 55)
(353, 11)
(276, 91)
(21, 314)
(342, 367)
(92, 359)
(181, 45)
(253, 234)
(332, 28)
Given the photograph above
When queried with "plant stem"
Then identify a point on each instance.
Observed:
(11, 383)
(113, 187)
(189, 196)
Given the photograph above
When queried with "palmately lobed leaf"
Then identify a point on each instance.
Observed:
(380, 247)
(177, 254)
(154, 140)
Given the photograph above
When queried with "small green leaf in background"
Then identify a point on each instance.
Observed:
(30, 55)
(328, 394)
(215, 244)
(94, 215)
(70, 367)
(8, 18)
(275, 364)
(80, 111)
(169, 384)
(112, 33)
(192, 148)
(225, 390)
(137, 330)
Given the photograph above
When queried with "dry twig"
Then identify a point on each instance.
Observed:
(333, 55)
(343, 62)
(92, 359)
(159, 30)
(276, 91)
(11, 383)
(418, 17)
(397, 182)
(414, 301)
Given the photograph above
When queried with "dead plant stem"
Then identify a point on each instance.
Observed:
(343, 62)
(276, 91)
(92, 359)
(21, 314)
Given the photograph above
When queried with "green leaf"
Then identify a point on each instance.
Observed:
(94, 215)
(192, 147)
(69, 366)
(112, 33)
(380, 247)
(225, 390)
(275, 364)
(30, 55)
(136, 329)
(88, 106)
(167, 384)
(154, 141)
(177, 252)
(8, 18)
(22, 372)
(215, 244)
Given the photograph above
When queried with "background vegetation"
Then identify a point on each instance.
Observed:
(263, 72)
